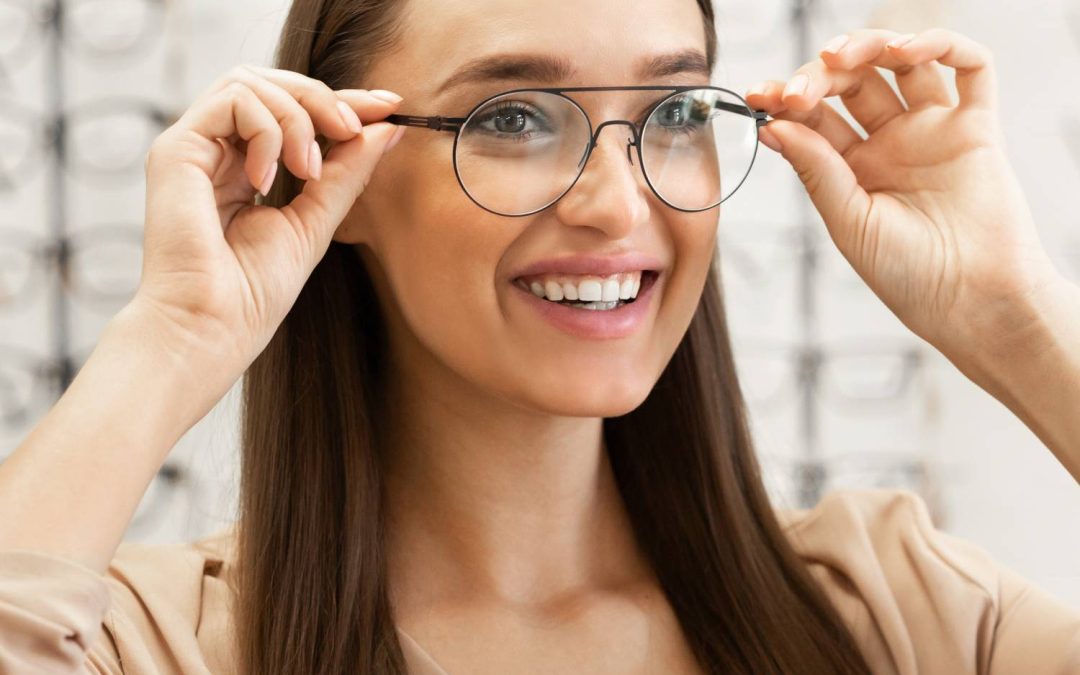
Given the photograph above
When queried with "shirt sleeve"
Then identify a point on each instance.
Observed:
(52, 613)
(921, 600)
(146, 614)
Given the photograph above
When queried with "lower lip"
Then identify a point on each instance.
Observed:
(595, 324)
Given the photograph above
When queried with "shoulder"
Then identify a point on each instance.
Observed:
(919, 599)
(171, 604)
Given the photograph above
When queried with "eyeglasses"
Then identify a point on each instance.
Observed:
(99, 265)
(94, 29)
(856, 376)
(520, 151)
(103, 141)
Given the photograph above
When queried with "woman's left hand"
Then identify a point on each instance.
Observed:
(927, 209)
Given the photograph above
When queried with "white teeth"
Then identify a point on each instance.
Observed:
(590, 290)
(553, 290)
(611, 290)
(622, 286)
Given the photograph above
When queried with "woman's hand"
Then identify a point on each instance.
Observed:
(926, 209)
(217, 267)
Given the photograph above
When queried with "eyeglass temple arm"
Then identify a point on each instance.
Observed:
(439, 123)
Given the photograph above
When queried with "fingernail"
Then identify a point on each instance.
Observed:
(315, 160)
(900, 41)
(394, 139)
(758, 88)
(797, 86)
(388, 96)
(349, 117)
(834, 45)
(268, 179)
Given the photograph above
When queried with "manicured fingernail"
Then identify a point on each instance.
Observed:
(349, 117)
(315, 160)
(797, 85)
(900, 41)
(268, 179)
(836, 44)
(388, 96)
(394, 139)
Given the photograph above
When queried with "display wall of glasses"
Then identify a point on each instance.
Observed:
(71, 148)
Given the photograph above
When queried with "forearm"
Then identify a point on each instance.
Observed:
(74, 483)
(1032, 366)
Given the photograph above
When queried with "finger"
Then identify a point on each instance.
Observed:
(370, 105)
(976, 82)
(235, 111)
(188, 157)
(318, 210)
(828, 178)
(299, 152)
(822, 118)
(920, 82)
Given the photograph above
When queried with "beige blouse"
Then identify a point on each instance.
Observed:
(917, 600)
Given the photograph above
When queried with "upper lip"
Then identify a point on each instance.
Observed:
(587, 263)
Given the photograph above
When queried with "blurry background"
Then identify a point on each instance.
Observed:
(841, 393)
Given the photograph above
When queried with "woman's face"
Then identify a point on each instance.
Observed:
(445, 269)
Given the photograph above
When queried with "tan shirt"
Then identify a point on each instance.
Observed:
(918, 600)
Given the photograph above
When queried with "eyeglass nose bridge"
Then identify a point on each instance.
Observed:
(631, 142)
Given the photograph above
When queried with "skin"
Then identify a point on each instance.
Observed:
(514, 527)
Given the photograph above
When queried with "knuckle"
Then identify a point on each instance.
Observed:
(241, 71)
(236, 91)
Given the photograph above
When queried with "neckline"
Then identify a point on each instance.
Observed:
(417, 660)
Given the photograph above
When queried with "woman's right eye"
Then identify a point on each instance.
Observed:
(510, 119)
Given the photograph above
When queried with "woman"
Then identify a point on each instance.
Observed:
(437, 476)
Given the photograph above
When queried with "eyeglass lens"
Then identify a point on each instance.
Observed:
(521, 151)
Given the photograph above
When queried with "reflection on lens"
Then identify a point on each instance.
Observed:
(521, 151)
(697, 147)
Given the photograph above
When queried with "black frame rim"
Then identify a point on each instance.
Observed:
(456, 124)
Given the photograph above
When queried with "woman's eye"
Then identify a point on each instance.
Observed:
(672, 114)
(511, 119)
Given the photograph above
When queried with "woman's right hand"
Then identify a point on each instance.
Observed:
(217, 267)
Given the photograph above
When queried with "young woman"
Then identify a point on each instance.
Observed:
(446, 473)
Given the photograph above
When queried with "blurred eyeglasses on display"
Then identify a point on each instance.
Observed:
(100, 265)
(105, 140)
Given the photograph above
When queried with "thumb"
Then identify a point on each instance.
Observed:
(346, 170)
(828, 178)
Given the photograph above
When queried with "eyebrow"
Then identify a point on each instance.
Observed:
(547, 69)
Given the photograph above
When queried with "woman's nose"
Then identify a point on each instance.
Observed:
(611, 192)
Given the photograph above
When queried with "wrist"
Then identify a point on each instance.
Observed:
(192, 369)
(1029, 359)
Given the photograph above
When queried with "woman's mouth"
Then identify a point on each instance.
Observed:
(592, 307)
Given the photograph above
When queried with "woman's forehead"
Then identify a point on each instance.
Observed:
(585, 41)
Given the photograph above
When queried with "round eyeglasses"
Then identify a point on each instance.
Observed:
(520, 151)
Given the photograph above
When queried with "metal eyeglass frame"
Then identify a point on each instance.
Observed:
(456, 124)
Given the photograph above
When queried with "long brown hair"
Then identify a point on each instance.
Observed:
(311, 574)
